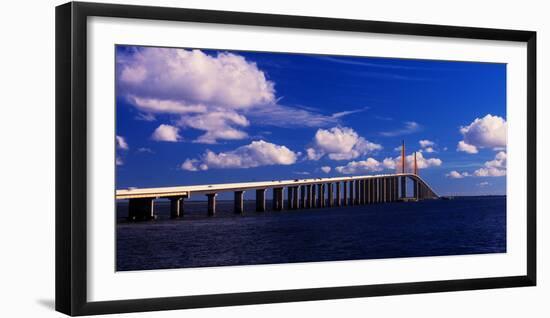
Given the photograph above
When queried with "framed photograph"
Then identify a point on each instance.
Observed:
(208, 158)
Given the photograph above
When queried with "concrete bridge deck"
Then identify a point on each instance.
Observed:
(302, 193)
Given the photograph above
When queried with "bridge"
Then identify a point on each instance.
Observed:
(301, 193)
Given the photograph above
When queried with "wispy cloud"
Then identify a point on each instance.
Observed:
(370, 64)
(384, 69)
(145, 117)
(145, 150)
(388, 75)
(409, 127)
(383, 118)
(287, 116)
(349, 112)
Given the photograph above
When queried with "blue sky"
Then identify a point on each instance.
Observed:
(188, 116)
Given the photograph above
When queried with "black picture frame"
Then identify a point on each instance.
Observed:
(71, 157)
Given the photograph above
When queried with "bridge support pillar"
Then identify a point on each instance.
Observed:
(295, 198)
(396, 193)
(376, 190)
(370, 192)
(211, 203)
(338, 198)
(403, 187)
(367, 191)
(364, 191)
(373, 190)
(278, 199)
(141, 209)
(389, 189)
(345, 194)
(330, 195)
(321, 195)
(415, 189)
(371, 187)
(314, 196)
(359, 192)
(239, 202)
(390, 194)
(309, 198)
(382, 190)
(357, 196)
(289, 197)
(302, 204)
(260, 200)
(382, 193)
(367, 188)
(176, 207)
(395, 188)
(351, 192)
(361, 196)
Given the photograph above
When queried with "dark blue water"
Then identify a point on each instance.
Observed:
(465, 225)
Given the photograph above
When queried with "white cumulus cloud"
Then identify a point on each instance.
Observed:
(363, 166)
(457, 175)
(206, 91)
(166, 133)
(313, 154)
(498, 162)
(493, 168)
(426, 143)
(152, 105)
(217, 125)
(427, 146)
(121, 143)
(421, 162)
(326, 169)
(487, 132)
(389, 163)
(463, 146)
(256, 154)
(489, 172)
(340, 143)
(193, 77)
(216, 93)
(191, 165)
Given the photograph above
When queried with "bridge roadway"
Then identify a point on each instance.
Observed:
(301, 193)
